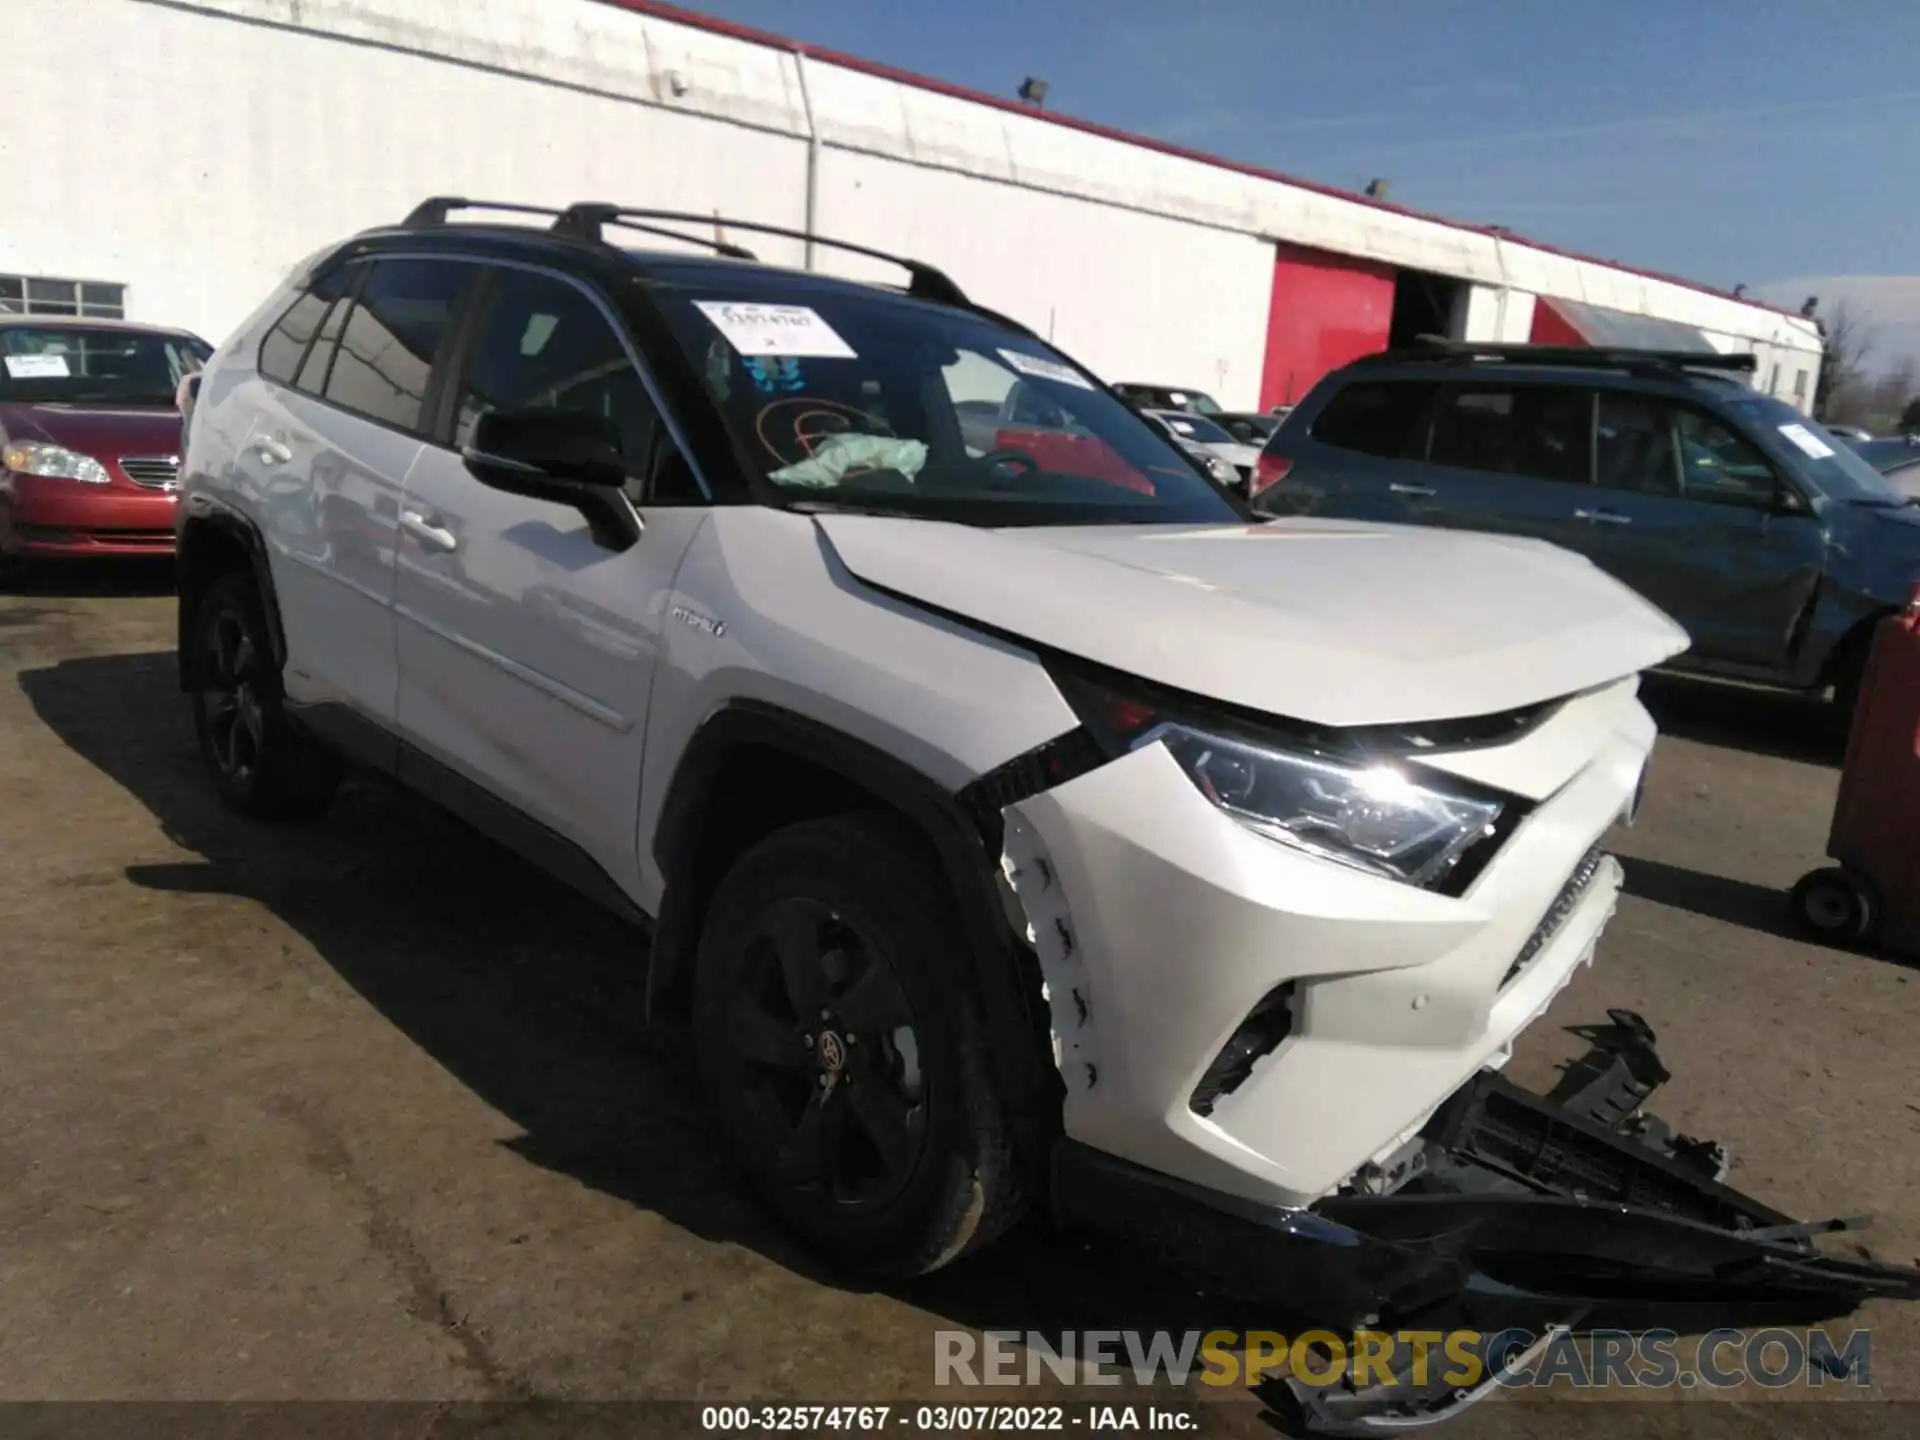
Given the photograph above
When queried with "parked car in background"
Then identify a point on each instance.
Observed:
(1218, 467)
(1889, 452)
(1248, 427)
(1203, 432)
(1770, 540)
(89, 436)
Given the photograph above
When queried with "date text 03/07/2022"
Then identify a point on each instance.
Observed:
(944, 1419)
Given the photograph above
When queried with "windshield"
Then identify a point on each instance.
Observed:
(842, 398)
(1824, 458)
(1195, 428)
(42, 364)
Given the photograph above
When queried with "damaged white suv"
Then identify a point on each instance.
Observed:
(1015, 816)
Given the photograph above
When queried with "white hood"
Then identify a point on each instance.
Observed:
(1338, 623)
(1238, 455)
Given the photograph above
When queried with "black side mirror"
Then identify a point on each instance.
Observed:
(1242, 431)
(566, 457)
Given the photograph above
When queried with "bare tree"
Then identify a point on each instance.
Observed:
(1849, 341)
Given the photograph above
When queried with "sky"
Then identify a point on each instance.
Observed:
(1764, 142)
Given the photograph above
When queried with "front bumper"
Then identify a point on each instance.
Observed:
(45, 516)
(1572, 1210)
(1162, 924)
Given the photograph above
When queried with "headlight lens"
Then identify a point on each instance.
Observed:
(1372, 816)
(1221, 469)
(36, 457)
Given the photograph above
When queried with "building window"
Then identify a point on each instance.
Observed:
(40, 295)
(1800, 388)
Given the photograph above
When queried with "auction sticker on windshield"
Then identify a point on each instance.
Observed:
(783, 330)
(37, 367)
(1043, 369)
(1807, 441)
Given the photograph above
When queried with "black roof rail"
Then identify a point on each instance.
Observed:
(1591, 357)
(584, 221)
(435, 209)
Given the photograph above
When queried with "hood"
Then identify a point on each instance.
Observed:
(103, 431)
(1333, 622)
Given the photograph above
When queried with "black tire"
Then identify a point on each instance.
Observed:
(874, 1133)
(261, 764)
(1836, 906)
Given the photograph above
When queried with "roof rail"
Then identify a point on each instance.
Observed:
(435, 209)
(584, 221)
(1595, 357)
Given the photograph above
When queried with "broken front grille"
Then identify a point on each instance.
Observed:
(1557, 913)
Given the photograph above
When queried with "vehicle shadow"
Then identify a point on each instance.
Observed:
(1738, 902)
(84, 579)
(531, 996)
(1744, 717)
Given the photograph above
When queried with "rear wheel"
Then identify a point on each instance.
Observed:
(841, 1050)
(1837, 906)
(261, 764)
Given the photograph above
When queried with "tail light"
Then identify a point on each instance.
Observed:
(1268, 471)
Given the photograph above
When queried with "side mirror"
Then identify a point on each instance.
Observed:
(1242, 431)
(565, 457)
(1789, 501)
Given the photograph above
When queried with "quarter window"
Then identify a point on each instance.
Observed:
(385, 357)
(1376, 418)
(1534, 430)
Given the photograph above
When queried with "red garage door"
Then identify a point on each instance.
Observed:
(1327, 309)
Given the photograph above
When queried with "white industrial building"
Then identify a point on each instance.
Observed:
(172, 158)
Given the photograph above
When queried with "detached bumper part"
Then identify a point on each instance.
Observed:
(1523, 1210)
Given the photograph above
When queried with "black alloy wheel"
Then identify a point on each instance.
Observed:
(841, 1049)
(831, 1061)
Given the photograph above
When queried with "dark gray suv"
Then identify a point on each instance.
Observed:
(1772, 542)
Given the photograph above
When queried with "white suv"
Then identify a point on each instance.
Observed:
(1012, 812)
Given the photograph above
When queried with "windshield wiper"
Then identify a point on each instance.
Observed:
(852, 507)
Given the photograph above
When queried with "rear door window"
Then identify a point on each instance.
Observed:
(1633, 445)
(1376, 417)
(1541, 431)
(393, 334)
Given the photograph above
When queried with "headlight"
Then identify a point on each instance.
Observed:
(1373, 816)
(1345, 796)
(35, 457)
(1222, 470)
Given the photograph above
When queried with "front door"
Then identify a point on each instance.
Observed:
(1686, 512)
(526, 648)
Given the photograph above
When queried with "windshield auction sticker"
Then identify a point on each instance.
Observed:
(1811, 443)
(1043, 369)
(37, 367)
(776, 330)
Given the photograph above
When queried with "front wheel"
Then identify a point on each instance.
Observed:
(260, 762)
(841, 1050)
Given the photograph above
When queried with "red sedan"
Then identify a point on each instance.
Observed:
(89, 436)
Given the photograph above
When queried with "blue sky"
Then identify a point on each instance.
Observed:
(1723, 141)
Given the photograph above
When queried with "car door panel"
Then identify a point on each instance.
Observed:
(527, 648)
(1511, 459)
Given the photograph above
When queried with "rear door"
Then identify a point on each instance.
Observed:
(1361, 457)
(1513, 457)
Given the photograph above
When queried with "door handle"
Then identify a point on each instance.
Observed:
(1424, 492)
(1603, 517)
(271, 451)
(423, 529)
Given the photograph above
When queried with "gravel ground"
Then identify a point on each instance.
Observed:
(362, 1110)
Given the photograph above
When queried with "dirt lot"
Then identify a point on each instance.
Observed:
(363, 1111)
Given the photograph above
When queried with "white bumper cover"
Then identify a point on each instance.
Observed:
(1161, 922)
